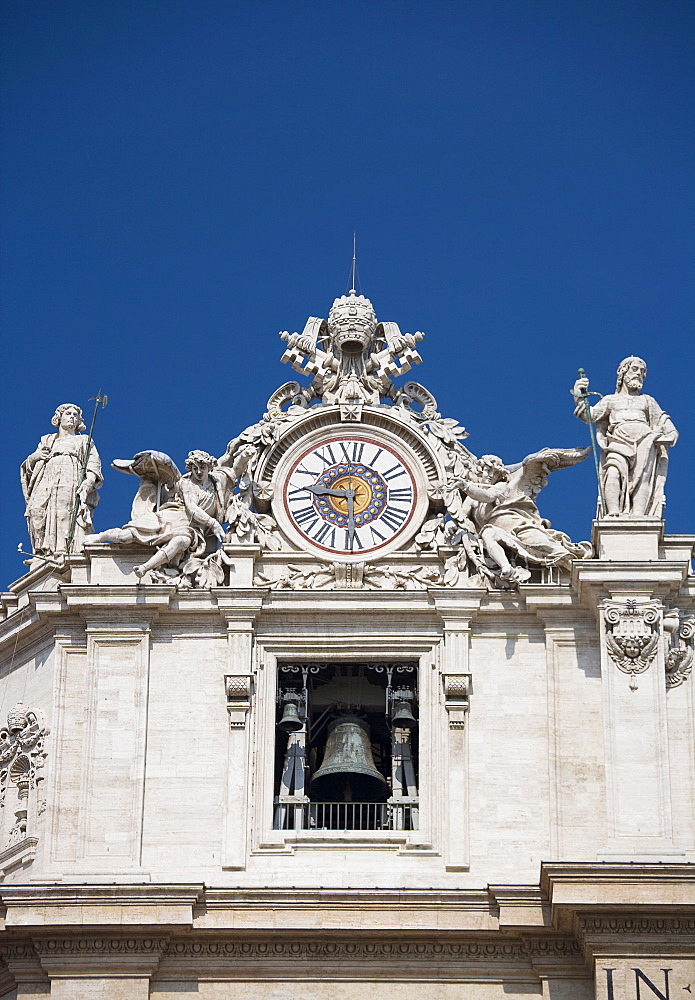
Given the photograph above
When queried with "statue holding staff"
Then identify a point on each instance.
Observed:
(634, 435)
(53, 484)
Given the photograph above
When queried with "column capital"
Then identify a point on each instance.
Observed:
(457, 608)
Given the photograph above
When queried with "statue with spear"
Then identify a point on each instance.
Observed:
(60, 480)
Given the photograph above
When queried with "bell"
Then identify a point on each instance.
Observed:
(403, 717)
(348, 773)
(290, 721)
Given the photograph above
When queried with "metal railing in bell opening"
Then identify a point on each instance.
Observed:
(346, 816)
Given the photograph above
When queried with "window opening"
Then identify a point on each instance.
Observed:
(346, 747)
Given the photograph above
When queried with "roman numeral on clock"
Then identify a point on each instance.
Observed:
(321, 534)
(353, 453)
(404, 495)
(320, 454)
(394, 517)
(363, 497)
(394, 472)
(306, 516)
(355, 541)
(376, 535)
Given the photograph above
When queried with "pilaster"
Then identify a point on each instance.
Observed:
(572, 755)
(239, 610)
(630, 588)
(113, 773)
(456, 612)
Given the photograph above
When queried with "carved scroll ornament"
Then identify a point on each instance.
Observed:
(679, 654)
(632, 635)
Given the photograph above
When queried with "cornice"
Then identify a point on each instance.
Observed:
(12, 894)
(593, 579)
(47, 905)
(172, 929)
(631, 889)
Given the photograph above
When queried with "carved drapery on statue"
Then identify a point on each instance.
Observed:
(494, 526)
(182, 517)
(634, 435)
(50, 479)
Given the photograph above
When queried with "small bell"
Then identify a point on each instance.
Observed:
(290, 721)
(402, 716)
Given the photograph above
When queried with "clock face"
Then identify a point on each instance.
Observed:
(350, 496)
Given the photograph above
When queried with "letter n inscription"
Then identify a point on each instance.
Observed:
(645, 979)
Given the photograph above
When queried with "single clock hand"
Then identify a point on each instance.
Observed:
(326, 491)
(351, 516)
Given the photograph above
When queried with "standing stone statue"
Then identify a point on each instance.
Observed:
(51, 484)
(634, 435)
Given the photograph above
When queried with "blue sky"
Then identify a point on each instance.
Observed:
(181, 180)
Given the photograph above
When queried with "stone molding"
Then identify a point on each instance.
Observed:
(610, 924)
(548, 931)
(552, 948)
(620, 934)
(102, 945)
(355, 949)
(17, 951)
(142, 954)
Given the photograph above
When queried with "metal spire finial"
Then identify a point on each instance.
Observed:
(353, 290)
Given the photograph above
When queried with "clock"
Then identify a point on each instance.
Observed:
(351, 497)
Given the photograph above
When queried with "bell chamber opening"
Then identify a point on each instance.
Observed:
(346, 746)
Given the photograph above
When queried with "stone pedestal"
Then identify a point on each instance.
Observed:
(631, 539)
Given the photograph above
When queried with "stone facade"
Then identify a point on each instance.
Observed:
(525, 704)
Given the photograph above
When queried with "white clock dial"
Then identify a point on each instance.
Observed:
(350, 496)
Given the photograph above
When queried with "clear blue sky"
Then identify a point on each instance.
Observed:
(181, 180)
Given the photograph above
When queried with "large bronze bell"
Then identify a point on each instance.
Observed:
(348, 773)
